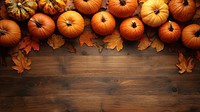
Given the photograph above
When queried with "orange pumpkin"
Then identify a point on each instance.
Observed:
(169, 32)
(70, 24)
(182, 10)
(88, 6)
(191, 36)
(10, 33)
(132, 29)
(41, 26)
(122, 8)
(103, 23)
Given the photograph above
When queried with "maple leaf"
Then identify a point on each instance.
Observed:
(56, 41)
(29, 43)
(3, 12)
(145, 42)
(21, 63)
(198, 55)
(114, 41)
(86, 37)
(69, 5)
(157, 44)
(185, 65)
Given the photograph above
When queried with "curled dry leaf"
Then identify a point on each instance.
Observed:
(56, 41)
(21, 63)
(114, 41)
(198, 55)
(185, 65)
(145, 42)
(157, 44)
(86, 37)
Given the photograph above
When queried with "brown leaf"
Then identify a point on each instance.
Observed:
(3, 12)
(69, 5)
(145, 42)
(56, 41)
(100, 47)
(70, 47)
(198, 55)
(104, 4)
(157, 44)
(86, 37)
(114, 41)
(185, 65)
(21, 63)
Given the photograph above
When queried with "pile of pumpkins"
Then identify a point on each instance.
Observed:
(154, 13)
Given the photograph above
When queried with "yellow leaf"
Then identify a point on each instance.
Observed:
(145, 42)
(56, 41)
(86, 37)
(157, 44)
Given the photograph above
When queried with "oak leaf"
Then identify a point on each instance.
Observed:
(21, 63)
(157, 44)
(198, 55)
(185, 65)
(86, 38)
(56, 41)
(114, 41)
(145, 42)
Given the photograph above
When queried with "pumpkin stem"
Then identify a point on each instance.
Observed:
(122, 2)
(38, 24)
(185, 2)
(19, 4)
(134, 24)
(156, 11)
(103, 18)
(2, 32)
(68, 23)
(170, 26)
(85, 0)
(197, 34)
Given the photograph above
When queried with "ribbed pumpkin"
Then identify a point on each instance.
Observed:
(132, 29)
(122, 8)
(21, 10)
(88, 6)
(169, 32)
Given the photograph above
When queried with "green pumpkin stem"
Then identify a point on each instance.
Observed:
(2, 32)
(156, 11)
(69, 23)
(170, 26)
(134, 24)
(185, 2)
(103, 18)
(38, 24)
(197, 33)
(122, 2)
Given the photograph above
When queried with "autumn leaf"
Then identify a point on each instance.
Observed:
(13, 51)
(100, 47)
(185, 65)
(29, 43)
(3, 12)
(145, 42)
(56, 41)
(70, 5)
(150, 32)
(86, 21)
(70, 47)
(86, 37)
(157, 44)
(104, 4)
(114, 41)
(197, 14)
(21, 63)
(198, 55)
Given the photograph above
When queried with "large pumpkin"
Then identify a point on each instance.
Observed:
(182, 10)
(122, 8)
(52, 6)
(41, 26)
(10, 33)
(21, 9)
(70, 24)
(88, 6)
(191, 36)
(154, 12)
(103, 23)
(132, 29)
(169, 32)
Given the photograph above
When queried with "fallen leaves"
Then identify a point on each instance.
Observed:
(158, 45)
(145, 42)
(86, 38)
(56, 41)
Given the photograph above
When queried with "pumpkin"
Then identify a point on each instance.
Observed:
(169, 32)
(154, 12)
(103, 23)
(132, 29)
(52, 6)
(41, 26)
(122, 8)
(21, 10)
(70, 24)
(10, 33)
(88, 6)
(191, 36)
(182, 10)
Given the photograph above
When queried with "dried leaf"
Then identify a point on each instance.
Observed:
(86, 21)
(69, 5)
(100, 47)
(158, 45)
(70, 47)
(56, 41)
(86, 37)
(104, 4)
(21, 63)
(29, 43)
(185, 65)
(3, 12)
(114, 41)
(145, 42)
(150, 32)
(198, 55)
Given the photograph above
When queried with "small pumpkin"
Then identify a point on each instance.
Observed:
(70, 24)
(21, 10)
(103, 23)
(41, 26)
(10, 33)
(52, 6)
(132, 29)
(182, 10)
(191, 36)
(122, 8)
(169, 32)
(154, 12)
(88, 6)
